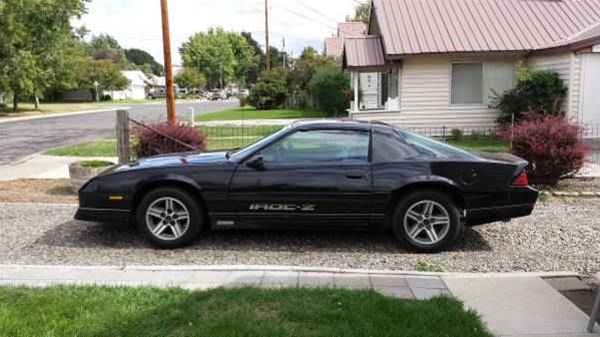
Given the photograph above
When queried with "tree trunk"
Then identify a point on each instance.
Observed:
(16, 102)
(37, 102)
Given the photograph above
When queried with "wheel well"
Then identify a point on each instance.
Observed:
(193, 191)
(453, 192)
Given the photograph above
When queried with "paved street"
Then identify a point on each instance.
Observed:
(23, 138)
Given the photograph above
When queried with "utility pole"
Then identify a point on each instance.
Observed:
(221, 75)
(268, 48)
(171, 113)
(284, 55)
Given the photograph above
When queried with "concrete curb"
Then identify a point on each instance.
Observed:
(269, 268)
(65, 114)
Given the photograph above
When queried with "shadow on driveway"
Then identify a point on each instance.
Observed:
(76, 234)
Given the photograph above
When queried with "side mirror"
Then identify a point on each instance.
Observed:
(256, 163)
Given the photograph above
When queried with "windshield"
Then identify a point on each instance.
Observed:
(257, 145)
(427, 147)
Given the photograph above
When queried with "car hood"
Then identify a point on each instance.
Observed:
(171, 160)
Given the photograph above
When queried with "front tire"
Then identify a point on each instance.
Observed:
(169, 218)
(427, 221)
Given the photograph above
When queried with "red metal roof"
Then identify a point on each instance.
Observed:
(333, 46)
(446, 26)
(351, 29)
(363, 52)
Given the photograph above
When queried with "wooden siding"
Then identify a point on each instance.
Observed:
(425, 100)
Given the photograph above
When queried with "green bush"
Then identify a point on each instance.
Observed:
(456, 135)
(541, 92)
(330, 86)
(270, 92)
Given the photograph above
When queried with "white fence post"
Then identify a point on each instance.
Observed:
(193, 113)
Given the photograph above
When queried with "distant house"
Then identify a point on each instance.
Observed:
(136, 88)
(441, 61)
(335, 44)
(370, 82)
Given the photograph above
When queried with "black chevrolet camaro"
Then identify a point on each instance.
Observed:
(316, 174)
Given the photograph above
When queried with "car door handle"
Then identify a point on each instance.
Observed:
(355, 175)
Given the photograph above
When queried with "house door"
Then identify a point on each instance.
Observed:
(590, 113)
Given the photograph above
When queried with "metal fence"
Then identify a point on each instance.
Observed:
(229, 137)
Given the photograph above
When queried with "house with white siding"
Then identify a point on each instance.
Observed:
(441, 62)
(136, 89)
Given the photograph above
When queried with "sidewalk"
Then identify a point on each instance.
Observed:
(42, 167)
(510, 305)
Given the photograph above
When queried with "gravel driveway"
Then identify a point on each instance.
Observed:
(562, 235)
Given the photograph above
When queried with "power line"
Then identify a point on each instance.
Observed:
(314, 10)
(307, 17)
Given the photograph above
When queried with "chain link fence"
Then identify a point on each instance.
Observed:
(230, 137)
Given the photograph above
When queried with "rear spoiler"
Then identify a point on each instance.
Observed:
(505, 158)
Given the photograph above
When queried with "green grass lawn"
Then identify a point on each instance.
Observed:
(481, 143)
(87, 311)
(219, 138)
(252, 113)
(227, 138)
(102, 148)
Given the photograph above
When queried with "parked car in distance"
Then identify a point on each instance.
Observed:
(217, 95)
(158, 94)
(316, 174)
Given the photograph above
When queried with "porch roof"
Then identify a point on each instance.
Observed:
(365, 52)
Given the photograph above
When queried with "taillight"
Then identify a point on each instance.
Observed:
(521, 180)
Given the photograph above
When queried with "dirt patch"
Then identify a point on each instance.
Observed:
(37, 191)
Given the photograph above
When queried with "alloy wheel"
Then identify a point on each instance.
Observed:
(426, 222)
(168, 219)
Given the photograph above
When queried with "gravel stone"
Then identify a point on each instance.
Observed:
(562, 235)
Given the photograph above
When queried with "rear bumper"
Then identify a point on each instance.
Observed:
(103, 215)
(523, 202)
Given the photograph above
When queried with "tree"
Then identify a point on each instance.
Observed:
(362, 13)
(259, 63)
(106, 47)
(330, 87)
(219, 55)
(270, 91)
(304, 68)
(104, 73)
(34, 40)
(190, 78)
(144, 60)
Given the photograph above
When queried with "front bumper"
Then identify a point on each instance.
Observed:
(103, 215)
(522, 203)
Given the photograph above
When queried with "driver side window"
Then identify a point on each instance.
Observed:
(320, 146)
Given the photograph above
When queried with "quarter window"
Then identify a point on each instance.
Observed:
(320, 146)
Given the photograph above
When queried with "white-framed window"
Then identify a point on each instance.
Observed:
(474, 83)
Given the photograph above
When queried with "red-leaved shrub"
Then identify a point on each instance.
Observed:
(164, 138)
(551, 144)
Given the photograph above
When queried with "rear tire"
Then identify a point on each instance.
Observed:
(169, 218)
(427, 221)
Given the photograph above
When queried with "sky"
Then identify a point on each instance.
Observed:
(137, 23)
